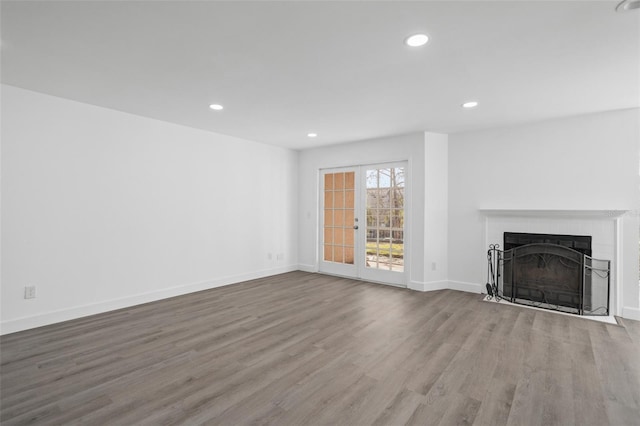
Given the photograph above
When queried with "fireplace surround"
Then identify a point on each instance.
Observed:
(604, 226)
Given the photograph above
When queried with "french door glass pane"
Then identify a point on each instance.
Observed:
(339, 206)
(385, 218)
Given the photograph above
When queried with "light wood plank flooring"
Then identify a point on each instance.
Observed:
(304, 348)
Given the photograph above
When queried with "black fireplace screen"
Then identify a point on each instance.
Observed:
(550, 276)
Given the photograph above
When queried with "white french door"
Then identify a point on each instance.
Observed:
(339, 222)
(363, 222)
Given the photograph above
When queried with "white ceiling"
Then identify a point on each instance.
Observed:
(283, 69)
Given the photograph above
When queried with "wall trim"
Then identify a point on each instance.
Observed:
(631, 313)
(416, 285)
(25, 323)
(307, 268)
(436, 285)
(468, 287)
(445, 285)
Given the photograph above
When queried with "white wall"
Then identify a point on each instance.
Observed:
(102, 209)
(436, 211)
(418, 149)
(581, 163)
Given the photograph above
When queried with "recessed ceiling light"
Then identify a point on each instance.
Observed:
(216, 107)
(312, 135)
(470, 104)
(417, 40)
(628, 5)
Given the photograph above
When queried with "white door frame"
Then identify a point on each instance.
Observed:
(359, 270)
(380, 275)
(333, 268)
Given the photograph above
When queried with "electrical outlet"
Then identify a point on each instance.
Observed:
(280, 256)
(269, 256)
(30, 292)
(433, 266)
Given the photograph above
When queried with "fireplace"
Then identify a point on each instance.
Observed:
(579, 243)
(552, 272)
(604, 227)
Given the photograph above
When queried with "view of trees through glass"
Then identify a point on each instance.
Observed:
(385, 218)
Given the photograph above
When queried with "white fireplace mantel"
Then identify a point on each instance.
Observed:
(603, 225)
(554, 213)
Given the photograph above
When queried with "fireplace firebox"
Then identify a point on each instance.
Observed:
(579, 243)
(550, 271)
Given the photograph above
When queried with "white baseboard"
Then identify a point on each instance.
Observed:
(436, 285)
(468, 287)
(631, 313)
(25, 323)
(443, 285)
(307, 268)
(416, 285)
(430, 286)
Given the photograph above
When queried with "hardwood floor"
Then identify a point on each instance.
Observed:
(304, 348)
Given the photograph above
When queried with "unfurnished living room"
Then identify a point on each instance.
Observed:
(320, 213)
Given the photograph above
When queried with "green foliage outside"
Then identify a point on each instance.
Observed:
(397, 250)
